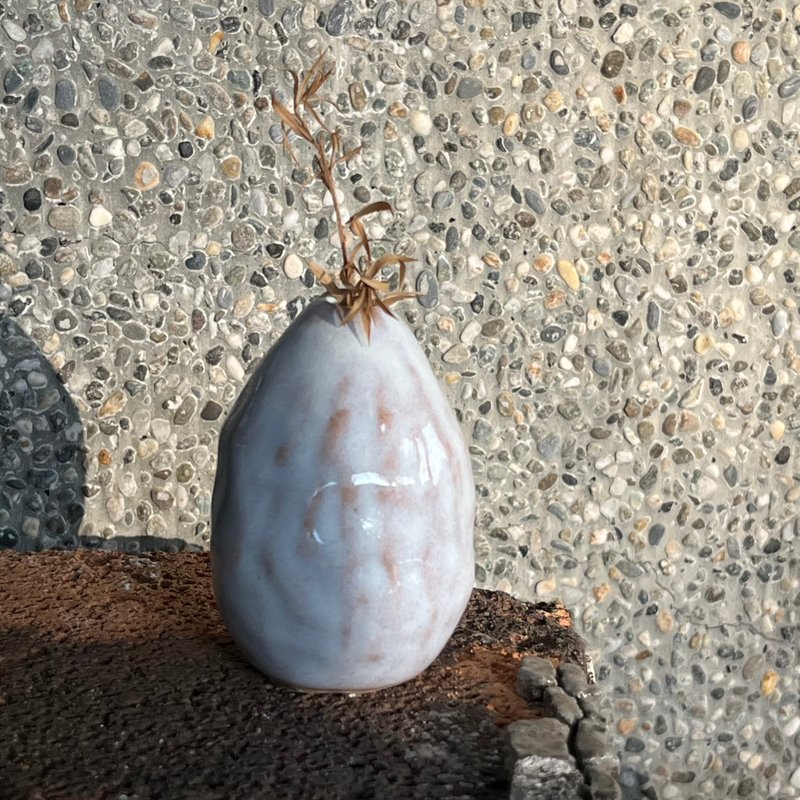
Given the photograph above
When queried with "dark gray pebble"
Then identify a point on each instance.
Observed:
(339, 18)
(729, 169)
(31, 99)
(203, 11)
(552, 333)
(442, 200)
(654, 534)
(458, 180)
(211, 411)
(558, 64)
(749, 107)
(160, 63)
(12, 81)
(704, 79)
(427, 289)
(65, 94)
(534, 201)
(469, 87)
(196, 261)
(789, 87)
(612, 64)
(109, 93)
(66, 154)
(240, 78)
(653, 316)
(32, 199)
(451, 239)
(186, 410)
(729, 10)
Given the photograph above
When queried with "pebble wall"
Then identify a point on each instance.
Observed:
(603, 200)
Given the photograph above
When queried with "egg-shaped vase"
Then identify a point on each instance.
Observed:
(342, 516)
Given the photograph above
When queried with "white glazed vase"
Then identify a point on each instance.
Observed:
(342, 519)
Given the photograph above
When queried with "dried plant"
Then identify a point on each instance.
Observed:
(357, 287)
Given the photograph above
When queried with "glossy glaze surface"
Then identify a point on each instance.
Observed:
(343, 509)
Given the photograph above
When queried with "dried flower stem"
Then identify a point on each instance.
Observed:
(357, 287)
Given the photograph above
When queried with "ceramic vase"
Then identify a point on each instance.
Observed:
(342, 519)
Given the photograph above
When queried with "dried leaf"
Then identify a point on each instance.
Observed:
(357, 288)
(371, 208)
(378, 286)
(291, 121)
(359, 230)
(385, 260)
(358, 302)
(311, 73)
(350, 154)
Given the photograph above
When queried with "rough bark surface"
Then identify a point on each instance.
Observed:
(117, 677)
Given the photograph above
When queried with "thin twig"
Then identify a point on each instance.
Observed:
(357, 286)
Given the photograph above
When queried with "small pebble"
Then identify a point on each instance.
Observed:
(293, 266)
(789, 87)
(421, 123)
(65, 94)
(146, 176)
(99, 216)
(566, 269)
(469, 87)
(109, 93)
(558, 64)
(205, 128)
(32, 199)
(232, 167)
(740, 52)
(704, 79)
(64, 218)
(613, 62)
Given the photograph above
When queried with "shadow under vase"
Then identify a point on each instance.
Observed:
(42, 454)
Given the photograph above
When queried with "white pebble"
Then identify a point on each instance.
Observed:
(258, 202)
(623, 34)
(794, 780)
(578, 236)
(234, 368)
(99, 216)
(421, 123)
(598, 233)
(753, 273)
(470, 332)
(293, 266)
(791, 727)
(116, 148)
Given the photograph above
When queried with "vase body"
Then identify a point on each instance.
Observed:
(342, 516)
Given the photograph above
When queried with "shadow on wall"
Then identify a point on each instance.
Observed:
(42, 456)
